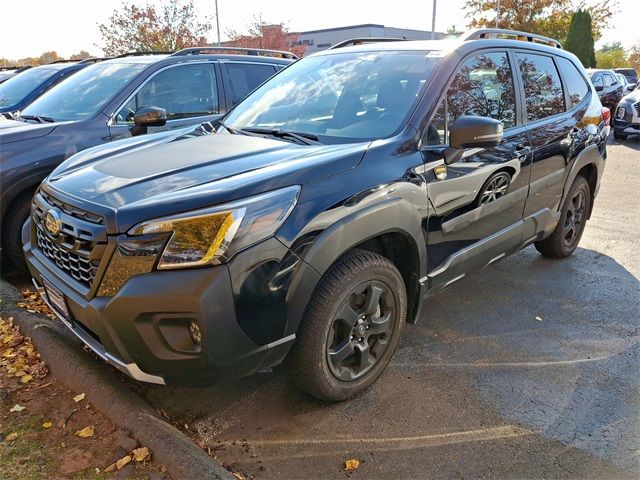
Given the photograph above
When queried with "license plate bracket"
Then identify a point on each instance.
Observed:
(56, 299)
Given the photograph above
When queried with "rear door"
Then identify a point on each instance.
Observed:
(477, 202)
(189, 92)
(553, 129)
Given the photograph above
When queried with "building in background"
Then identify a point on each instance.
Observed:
(316, 40)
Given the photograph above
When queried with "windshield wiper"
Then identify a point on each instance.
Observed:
(237, 131)
(302, 137)
(38, 118)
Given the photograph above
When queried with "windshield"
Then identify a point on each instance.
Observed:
(85, 93)
(338, 98)
(16, 89)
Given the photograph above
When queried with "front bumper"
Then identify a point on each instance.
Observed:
(626, 118)
(143, 329)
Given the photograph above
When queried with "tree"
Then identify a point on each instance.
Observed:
(580, 39)
(48, 57)
(146, 29)
(544, 17)
(262, 35)
(634, 56)
(612, 55)
(80, 56)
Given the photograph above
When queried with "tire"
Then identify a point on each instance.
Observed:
(566, 236)
(17, 213)
(342, 345)
(619, 135)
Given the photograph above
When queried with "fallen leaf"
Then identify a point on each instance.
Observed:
(538, 318)
(351, 464)
(110, 468)
(78, 398)
(11, 437)
(141, 454)
(47, 425)
(239, 476)
(85, 432)
(123, 461)
(26, 378)
(17, 408)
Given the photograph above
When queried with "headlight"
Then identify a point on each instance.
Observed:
(620, 113)
(213, 235)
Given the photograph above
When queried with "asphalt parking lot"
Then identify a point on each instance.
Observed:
(526, 370)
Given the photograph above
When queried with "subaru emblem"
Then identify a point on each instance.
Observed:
(52, 222)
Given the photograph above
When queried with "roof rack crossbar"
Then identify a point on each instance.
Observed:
(496, 32)
(140, 54)
(248, 51)
(362, 40)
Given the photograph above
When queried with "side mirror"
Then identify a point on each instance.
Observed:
(148, 117)
(599, 88)
(630, 88)
(470, 131)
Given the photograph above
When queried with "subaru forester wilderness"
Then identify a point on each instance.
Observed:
(322, 212)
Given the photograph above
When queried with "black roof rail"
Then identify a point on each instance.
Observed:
(503, 32)
(94, 59)
(249, 51)
(140, 54)
(362, 40)
(62, 61)
(4, 69)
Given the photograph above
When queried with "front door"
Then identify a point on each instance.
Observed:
(478, 202)
(188, 93)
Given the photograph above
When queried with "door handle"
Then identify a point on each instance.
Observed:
(521, 152)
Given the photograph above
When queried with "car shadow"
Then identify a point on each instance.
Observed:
(548, 345)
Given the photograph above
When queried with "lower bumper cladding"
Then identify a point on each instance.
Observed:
(130, 369)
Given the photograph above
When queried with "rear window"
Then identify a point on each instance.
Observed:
(542, 87)
(575, 84)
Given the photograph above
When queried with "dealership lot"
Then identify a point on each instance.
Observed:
(528, 369)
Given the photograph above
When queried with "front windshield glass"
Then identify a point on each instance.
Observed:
(85, 93)
(338, 98)
(16, 89)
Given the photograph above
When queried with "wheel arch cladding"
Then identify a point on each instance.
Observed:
(392, 228)
(588, 164)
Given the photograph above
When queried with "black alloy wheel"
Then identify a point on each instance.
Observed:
(351, 327)
(360, 331)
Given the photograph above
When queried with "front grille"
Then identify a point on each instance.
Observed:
(77, 250)
(80, 268)
(637, 107)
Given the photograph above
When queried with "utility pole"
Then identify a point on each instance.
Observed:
(433, 21)
(218, 23)
(497, 14)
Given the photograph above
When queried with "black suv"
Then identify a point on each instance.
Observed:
(322, 212)
(99, 105)
(630, 74)
(609, 88)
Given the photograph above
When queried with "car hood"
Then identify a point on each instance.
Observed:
(15, 131)
(632, 97)
(161, 174)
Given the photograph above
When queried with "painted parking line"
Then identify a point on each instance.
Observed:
(548, 363)
(317, 447)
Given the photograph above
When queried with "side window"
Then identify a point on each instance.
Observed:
(575, 85)
(597, 81)
(245, 77)
(184, 91)
(609, 80)
(482, 86)
(542, 87)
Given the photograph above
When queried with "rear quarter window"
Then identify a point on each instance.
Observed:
(575, 85)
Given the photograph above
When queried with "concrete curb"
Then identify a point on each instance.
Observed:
(67, 360)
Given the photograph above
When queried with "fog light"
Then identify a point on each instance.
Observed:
(195, 332)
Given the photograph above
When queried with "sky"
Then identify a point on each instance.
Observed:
(30, 27)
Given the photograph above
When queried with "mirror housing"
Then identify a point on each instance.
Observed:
(599, 88)
(148, 117)
(470, 131)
